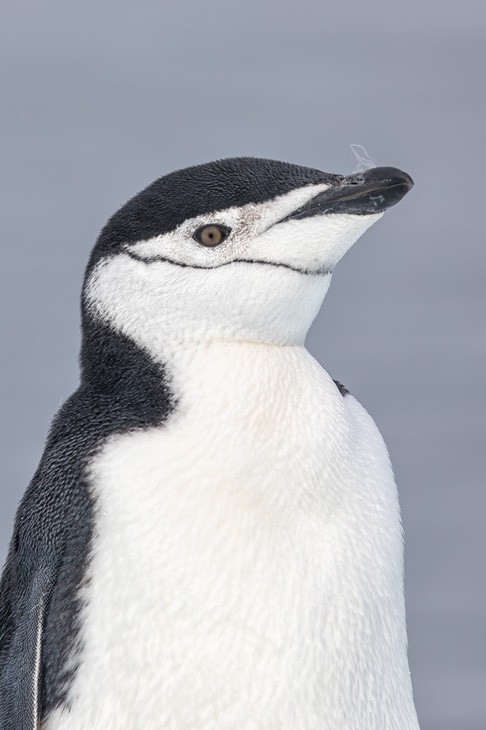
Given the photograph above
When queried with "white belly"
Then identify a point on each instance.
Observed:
(247, 562)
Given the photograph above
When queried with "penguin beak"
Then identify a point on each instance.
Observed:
(365, 193)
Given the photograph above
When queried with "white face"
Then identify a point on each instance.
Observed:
(264, 283)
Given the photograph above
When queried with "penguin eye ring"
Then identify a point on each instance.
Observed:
(211, 235)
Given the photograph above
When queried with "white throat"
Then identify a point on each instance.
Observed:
(205, 306)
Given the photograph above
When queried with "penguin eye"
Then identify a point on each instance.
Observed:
(211, 235)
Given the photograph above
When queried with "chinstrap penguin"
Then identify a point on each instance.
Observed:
(212, 538)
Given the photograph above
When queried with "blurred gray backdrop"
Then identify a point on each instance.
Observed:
(99, 98)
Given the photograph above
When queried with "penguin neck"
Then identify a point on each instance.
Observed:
(150, 382)
(113, 362)
(110, 360)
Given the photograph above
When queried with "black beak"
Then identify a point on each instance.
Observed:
(365, 193)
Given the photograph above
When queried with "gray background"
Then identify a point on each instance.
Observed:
(99, 98)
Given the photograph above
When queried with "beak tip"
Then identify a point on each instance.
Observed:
(392, 175)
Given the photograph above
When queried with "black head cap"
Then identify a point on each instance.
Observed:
(193, 191)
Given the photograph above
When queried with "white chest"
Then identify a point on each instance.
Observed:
(246, 570)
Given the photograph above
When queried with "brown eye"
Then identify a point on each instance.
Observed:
(211, 235)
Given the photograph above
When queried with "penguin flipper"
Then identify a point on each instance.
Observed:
(22, 611)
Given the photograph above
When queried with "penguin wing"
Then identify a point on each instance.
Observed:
(23, 600)
(40, 578)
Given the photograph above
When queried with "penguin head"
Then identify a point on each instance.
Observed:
(237, 249)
